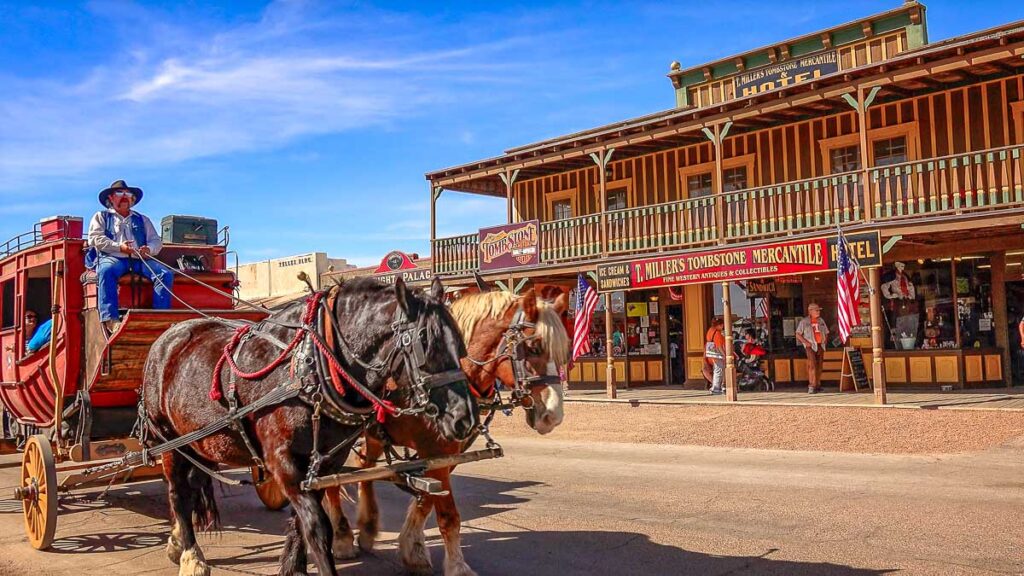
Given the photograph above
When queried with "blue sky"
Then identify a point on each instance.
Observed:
(308, 126)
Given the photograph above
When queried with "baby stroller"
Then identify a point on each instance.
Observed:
(749, 375)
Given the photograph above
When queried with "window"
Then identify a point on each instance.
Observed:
(7, 318)
(617, 199)
(889, 151)
(974, 302)
(734, 179)
(699, 185)
(561, 209)
(844, 159)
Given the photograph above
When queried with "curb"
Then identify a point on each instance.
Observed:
(697, 402)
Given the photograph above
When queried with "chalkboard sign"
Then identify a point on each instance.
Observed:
(853, 371)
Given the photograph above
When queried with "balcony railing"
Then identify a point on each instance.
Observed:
(456, 255)
(988, 180)
(960, 183)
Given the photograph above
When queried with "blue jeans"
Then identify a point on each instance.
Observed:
(109, 270)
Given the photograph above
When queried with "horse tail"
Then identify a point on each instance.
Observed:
(205, 514)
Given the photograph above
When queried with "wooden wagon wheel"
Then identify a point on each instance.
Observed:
(267, 489)
(38, 492)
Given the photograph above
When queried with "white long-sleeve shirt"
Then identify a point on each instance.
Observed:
(122, 233)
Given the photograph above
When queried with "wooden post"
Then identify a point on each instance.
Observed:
(610, 366)
(509, 178)
(730, 363)
(877, 336)
(998, 262)
(718, 187)
(435, 193)
(601, 158)
(865, 156)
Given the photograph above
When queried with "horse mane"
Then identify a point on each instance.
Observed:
(471, 309)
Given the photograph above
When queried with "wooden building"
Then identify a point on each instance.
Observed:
(865, 127)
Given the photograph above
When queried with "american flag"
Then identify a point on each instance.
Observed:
(848, 287)
(586, 301)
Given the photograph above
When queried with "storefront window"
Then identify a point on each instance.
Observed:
(643, 328)
(974, 302)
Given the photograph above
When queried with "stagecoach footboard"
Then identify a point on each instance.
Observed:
(409, 473)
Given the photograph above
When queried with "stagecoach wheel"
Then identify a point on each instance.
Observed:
(38, 492)
(268, 491)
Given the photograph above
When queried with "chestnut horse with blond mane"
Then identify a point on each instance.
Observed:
(484, 319)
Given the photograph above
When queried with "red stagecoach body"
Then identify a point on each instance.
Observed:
(44, 271)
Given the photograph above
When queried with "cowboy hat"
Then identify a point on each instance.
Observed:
(120, 185)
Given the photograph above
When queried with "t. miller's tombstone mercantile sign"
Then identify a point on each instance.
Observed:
(741, 263)
(510, 246)
(786, 73)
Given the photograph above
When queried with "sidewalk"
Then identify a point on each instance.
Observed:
(1003, 399)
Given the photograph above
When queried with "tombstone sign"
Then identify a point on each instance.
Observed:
(853, 371)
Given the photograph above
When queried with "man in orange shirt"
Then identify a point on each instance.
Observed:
(812, 332)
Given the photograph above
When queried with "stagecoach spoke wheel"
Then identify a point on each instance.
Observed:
(267, 489)
(38, 492)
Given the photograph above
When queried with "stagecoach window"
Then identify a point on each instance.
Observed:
(890, 151)
(7, 317)
(699, 185)
(845, 159)
(617, 199)
(734, 179)
(561, 209)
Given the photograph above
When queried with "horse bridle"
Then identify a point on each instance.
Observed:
(513, 348)
(408, 335)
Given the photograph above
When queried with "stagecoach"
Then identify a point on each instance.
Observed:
(71, 405)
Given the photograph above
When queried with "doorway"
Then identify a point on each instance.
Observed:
(676, 348)
(1014, 315)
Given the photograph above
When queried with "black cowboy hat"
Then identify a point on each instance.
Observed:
(120, 185)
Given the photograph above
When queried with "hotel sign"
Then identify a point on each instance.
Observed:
(741, 263)
(786, 73)
(510, 246)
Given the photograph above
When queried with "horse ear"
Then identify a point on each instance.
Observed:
(437, 289)
(528, 302)
(562, 303)
(404, 296)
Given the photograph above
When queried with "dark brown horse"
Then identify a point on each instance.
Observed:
(370, 348)
(484, 320)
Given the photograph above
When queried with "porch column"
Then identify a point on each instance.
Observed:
(877, 338)
(509, 178)
(609, 366)
(998, 262)
(435, 194)
(730, 363)
(602, 158)
(861, 105)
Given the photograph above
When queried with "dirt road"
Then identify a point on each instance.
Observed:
(572, 506)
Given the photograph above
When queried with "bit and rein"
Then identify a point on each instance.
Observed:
(513, 349)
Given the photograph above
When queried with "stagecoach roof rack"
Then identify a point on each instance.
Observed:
(22, 241)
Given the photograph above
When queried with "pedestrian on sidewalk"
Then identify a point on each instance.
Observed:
(714, 355)
(812, 333)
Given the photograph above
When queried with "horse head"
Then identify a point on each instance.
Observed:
(426, 347)
(487, 319)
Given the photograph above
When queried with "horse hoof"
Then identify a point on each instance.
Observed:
(344, 548)
(415, 558)
(459, 568)
(174, 549)
(366, 541)
(193, 564)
